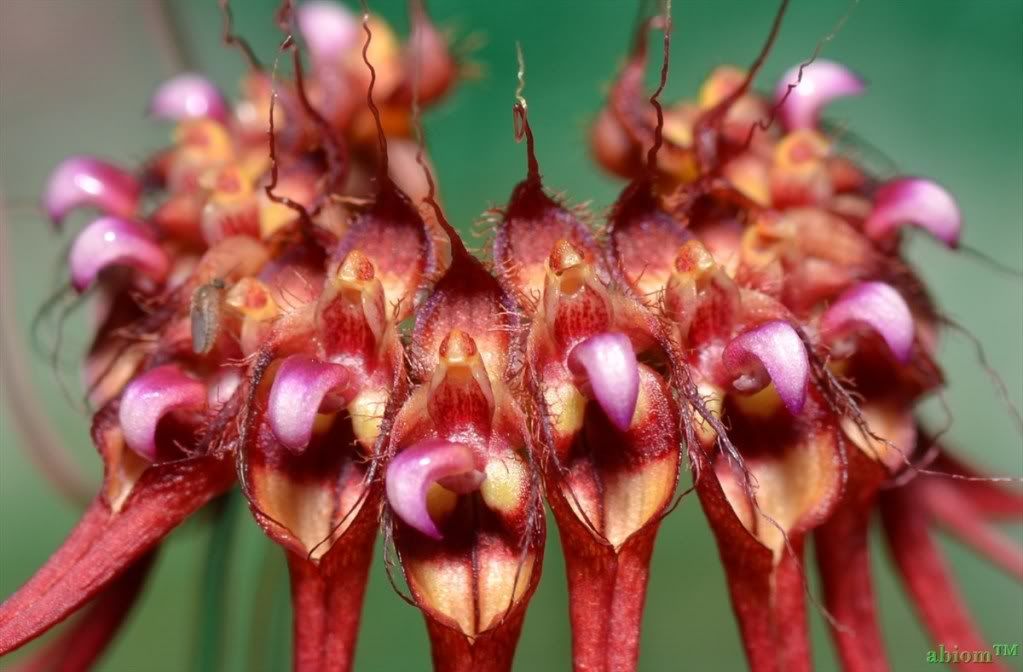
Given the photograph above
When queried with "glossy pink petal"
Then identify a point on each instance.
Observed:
(771, 352)
(878, 306)
(86, 180)
(412, 471)
(112, 241)
(299, 391)
(914, 200)
(609, 364)
(151, 396)
(188, 96)
(330, 30)
(821, 82)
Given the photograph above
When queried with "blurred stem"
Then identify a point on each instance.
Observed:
(270, 615)
(212, 611)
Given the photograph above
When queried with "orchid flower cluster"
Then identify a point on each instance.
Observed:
(285, 308)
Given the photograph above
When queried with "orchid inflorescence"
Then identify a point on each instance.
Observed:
(286, 308)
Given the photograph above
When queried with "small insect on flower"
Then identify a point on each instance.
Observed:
(206, 315)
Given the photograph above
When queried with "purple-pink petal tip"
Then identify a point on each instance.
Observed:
(329, 29)
(148, 398)
(86, 180)
(773, 348)
(302, 388)
(914, 200)
(877, 306)
(609, 364)
(821, 82)
(413, 470)
(188, 96)
(112, 241)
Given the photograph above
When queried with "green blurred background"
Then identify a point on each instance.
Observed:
(946, 101)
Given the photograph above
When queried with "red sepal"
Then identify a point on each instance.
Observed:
(770, 609)
(767, 592)
(78, 647)
(926, 577)
(606, 589)
(490, 651)
(105, 543)
(326, 598)
(843, 559)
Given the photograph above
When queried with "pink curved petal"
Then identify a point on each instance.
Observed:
(330, 30)
(609, 364)
(773, 348)
(878, 306)
(298, 393)
(821, 82)
(188, 96)
(86, 180)
(914, 200)
(151, 396)
(412, 471)
(110, 241)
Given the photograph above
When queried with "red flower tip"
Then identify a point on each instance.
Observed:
(609, 364)
(819, 83)
(188, 96)
(111, 241)
(877, 306)
(86, 180)
(303, 387)
(411, 473)
(330, 30)
(770, 353)
(917, 201)
(150, 397)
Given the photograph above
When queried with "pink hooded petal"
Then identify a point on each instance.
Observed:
(821, 82)
(111, 241)
(151, 396)
(188, 96)
(609, 364)
(86, 180)
(878, 306)
(773, 348)
(299, 390)
(412, 471)
(914, 200)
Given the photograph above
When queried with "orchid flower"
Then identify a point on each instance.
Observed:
(286, 313)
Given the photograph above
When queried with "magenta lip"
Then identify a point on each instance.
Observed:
(821, 82)
(188, 96)
(112, 241)
(303, 386)
(151, 396)
(917, 201)
(609, 364)
(771, 352)
(877, 306)
(413, 470)
(86, 180)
